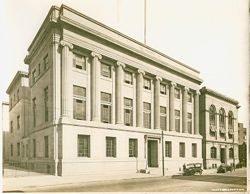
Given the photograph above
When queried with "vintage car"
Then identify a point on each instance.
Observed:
(224, 168)
(192, 169)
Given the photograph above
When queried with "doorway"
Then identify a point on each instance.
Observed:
(152, 153)
(222, 155)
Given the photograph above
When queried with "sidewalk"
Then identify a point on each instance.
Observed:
(19, 183)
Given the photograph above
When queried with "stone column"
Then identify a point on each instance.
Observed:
(119, 92)
(157, 102)
(196, 113)
(139, 102)
(66, 78)
(184, 110)
(95, 84)
(171, 106)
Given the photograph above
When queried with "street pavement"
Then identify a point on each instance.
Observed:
(209, 181)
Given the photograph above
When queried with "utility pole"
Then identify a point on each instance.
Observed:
(162, 143)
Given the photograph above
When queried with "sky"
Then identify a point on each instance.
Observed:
(210, 36)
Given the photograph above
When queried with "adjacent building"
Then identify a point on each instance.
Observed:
(19, 100)
(4, 115)
(219, 128)
(242, 144)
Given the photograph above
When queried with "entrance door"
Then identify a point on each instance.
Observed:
(222, 155)
(152, 153)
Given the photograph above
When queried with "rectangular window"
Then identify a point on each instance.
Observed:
(23, 151)
(79, 62)
(147, 115)
(46, 62)
(106, 70)
(177, 93)
(147, 84)
(79, 103)
(18, 149)
(128, 112)
(128, 77)
(39, 69)
(182, 150)
(194, 150)
(34, 76)
(46, 104)
(46, 146)
(168, 149)
(34, 111)
(163, 118)
(11, 149)
(83, 146)
(27, 150)
(17, 95)
(18, 122)
(189, 123)
(189, 97)
(11, 126)
(10, 103)
(105, 107)
(177, 120)
(34, 148)
(110, 147)
(163, 89)
(133, 148)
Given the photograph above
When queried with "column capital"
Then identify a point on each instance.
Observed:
(139, 71)
(94, 54)
(197, 92)
(185, 89)
(158, 78)
(65, 43)
(173, 84)
(118, 63)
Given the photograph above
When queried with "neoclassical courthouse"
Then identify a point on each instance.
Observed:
(97, 101)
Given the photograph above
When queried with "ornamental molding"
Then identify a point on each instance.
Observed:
(65, 43)
(96, 55)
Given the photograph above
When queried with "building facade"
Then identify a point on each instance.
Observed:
(242, 144)
(19, 99)
(4, 115)
(219, 128)
(102, 102)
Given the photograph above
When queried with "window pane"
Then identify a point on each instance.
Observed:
(83, 146)
(182, 150)
(162, 89)
(177, 93)
(79, 91)
(79, 62)
(147, 84)
(110, 146)
(105, 97)
(168, 149)
(46, 146)
(194, 150)
(106, 70)
(133, 147)
(128, 78)
(177, 120)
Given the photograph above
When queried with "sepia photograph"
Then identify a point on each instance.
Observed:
(124, 96)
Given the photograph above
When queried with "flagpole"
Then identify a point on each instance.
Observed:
(145, 22)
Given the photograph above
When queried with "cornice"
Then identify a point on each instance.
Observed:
(211, 92)
(18, 75)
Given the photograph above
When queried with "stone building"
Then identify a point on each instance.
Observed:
(242, 144)
(4, 116)
(219, 128)
(19, 99)
(102, 102)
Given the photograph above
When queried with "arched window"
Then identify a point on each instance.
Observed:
(230, 120)
(231, 153)
(222, 119)
(212, 115)
(213, 152)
